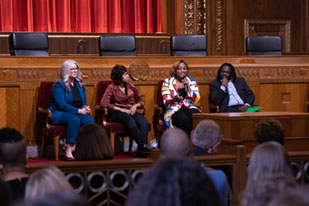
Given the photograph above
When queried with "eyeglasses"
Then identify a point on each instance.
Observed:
(76, 68)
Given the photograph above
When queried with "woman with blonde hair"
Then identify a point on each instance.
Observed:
(268, 159)
(46, 181)
(69, 105)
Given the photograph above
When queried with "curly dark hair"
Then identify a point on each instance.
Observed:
(233, 73)
(117, 72)
(174, 182)
(269, 130)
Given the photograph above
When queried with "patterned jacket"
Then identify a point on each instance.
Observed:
(169, 90)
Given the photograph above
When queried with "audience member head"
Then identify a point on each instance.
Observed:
(227, 70)
(117, 73)
(5, 193)
(65, 73)
(261, 192)
(292, 197)
(208, 135)
(63, 198)
(45, 181)
(175, 143)
(13, 149)
(269, 130)
(92, 143)
(174, 182)
(178, 65)
(267, 159)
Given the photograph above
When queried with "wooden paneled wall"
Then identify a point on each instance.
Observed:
(227, 23)
(279, 83)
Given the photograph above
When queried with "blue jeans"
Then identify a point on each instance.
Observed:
(136, 124)
(73, 122)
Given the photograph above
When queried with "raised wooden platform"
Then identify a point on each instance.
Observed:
(240, 126)
(279, 83)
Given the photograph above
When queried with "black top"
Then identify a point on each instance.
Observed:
(18, 188)
(77, 100)
(182, 92)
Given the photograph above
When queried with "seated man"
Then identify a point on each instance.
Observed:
(231, 93)
(176, 143)
(269, 130)
(13, 159)
(206, 137)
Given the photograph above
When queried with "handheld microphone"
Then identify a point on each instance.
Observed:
(186, 87)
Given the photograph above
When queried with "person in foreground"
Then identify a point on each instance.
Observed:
(206, 137)
(176, 143)
(46, 181)
(13, 157)
(180, 94)
(69, 105)
(269, 130)
(92, 143)
(174, 182)
(231, 93)
(122, 99)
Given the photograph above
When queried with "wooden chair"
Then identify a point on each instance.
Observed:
(112, 128)
(158, 116)
(46, 129)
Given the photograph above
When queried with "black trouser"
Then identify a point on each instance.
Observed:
(136, 124)
(234, 108)
(183, 119)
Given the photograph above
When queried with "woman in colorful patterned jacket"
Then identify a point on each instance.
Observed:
(180, 93)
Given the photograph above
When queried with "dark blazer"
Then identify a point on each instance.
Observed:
(62, 101)
(219, 97)
(199, 151)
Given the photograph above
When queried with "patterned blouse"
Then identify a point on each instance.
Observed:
(169, 90)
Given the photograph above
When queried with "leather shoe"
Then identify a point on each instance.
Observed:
(142, 152)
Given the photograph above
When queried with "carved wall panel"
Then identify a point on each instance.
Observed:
(194, 16)
(271, 27)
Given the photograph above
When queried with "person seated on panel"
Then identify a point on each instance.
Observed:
(13, 157)
(122, 99)
(176, 143)
(69, 105)
(92, 143)
(231, 93)
(180, 94)
(206, 137)
(269, 130)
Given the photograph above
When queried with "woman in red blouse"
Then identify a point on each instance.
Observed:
(121, 99)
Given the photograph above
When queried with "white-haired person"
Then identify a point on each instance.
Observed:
(69, 105)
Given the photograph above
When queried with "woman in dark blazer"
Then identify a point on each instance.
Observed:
(69, 106)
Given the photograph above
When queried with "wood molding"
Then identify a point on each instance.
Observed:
(280, 27)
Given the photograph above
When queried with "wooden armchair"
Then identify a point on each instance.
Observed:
(46, 129)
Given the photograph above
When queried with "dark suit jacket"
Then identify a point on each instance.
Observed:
(63, 100)
(199, 151)
(219, 97)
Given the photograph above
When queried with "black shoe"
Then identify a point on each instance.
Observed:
(142, 152)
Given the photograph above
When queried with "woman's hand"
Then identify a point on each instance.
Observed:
(177, 98)
(87, 108)
(133, 109)
(186, 82)
(82, 111)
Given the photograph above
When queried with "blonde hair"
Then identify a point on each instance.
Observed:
(65, 74)
(45, 181)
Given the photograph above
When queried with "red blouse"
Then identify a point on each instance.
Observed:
(113, 96)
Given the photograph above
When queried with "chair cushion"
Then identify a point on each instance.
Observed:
(29, 44)
(54, 130)
(188, 45)
(263, 45)
(115, 127)
(117, 46)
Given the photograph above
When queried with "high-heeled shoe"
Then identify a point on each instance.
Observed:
(68, 153)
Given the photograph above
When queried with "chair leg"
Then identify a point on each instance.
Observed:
(42, 146)
(56, 146)
(112, 136)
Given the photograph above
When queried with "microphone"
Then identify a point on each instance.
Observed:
(186, 87)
